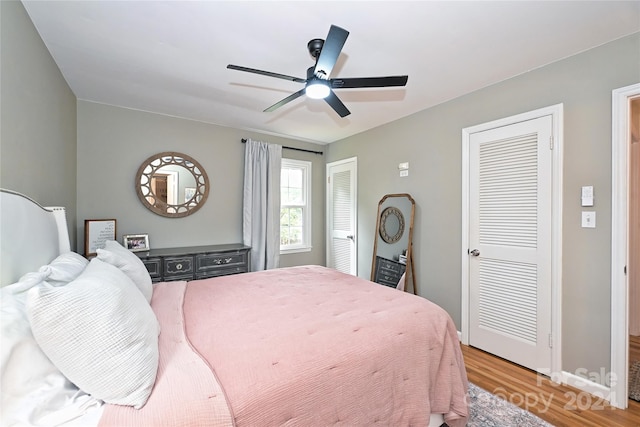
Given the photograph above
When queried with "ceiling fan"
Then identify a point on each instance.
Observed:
(318, 85)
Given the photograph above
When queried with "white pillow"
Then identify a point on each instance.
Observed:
(64, 269)
(32, 387)
(100, 332)
(116, 254)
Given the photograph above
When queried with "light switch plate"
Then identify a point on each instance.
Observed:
(588, 219)
(403, 166)
(404, 173)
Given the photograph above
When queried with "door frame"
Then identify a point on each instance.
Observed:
(556, 112)
(328, 215)
(620, 130)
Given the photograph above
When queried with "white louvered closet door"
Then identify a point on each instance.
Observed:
(341, 216)
(510, 231)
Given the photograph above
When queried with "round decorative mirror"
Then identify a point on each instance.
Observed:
(391, 224)
(172, 184)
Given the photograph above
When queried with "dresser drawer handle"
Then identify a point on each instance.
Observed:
(178, 266)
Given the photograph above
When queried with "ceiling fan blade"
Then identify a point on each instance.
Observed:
(330, 51)
(266, 73)
(285, 101)
(337, 105)
(357, 82)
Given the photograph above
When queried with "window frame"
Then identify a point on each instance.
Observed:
(305, 166)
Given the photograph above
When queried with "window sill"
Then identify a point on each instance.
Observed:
(295, 250)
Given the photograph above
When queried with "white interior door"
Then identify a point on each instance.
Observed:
(510, 242)
(623, 126)
(342, 216)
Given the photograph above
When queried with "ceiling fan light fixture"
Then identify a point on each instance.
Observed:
(318, 89)
(318, 84)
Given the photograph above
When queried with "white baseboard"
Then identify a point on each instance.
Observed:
(581, 383)
(586, 385)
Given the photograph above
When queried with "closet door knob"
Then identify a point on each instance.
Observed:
(474, 252)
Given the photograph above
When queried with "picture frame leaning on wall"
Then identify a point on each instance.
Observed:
(96, 233)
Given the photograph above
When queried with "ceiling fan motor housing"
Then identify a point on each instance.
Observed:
(315, 46)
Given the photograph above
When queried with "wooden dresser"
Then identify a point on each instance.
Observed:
(195, 262)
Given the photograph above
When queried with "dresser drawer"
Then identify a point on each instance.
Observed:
(208, 265)
(391, 281)
(389, 266)
(178, 267)
(154, 267)
(222, 272)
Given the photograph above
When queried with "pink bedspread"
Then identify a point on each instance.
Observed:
(186, 393)
(309, 346)
(312, 346)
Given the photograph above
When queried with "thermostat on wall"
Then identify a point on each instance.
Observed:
(587, 195)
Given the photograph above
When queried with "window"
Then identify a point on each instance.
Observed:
(295, 206)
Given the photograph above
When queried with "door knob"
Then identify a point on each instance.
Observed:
(474, 252)
(350, 237)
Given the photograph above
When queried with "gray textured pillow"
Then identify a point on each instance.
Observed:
(116, 254)
(100, 332)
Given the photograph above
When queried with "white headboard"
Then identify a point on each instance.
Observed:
(30, 235)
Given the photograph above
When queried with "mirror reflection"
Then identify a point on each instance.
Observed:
(172, 184)
(391, 224)
(392, 261)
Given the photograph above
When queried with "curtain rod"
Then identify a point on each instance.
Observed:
(244, 140)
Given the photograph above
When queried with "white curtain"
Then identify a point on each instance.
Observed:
(261, 204)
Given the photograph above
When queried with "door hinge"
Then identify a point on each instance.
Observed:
(551, 143)
(625, 270)
(550, 341)
(328, 180)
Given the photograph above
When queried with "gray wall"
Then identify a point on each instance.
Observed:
(431, 142)
(38, 117)
(113, 142)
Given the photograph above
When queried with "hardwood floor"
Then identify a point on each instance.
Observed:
(557, 404)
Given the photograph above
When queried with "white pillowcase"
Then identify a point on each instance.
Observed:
(100, 332)
(15, 327)
(32, 387)
(117, 255)
(64, 269)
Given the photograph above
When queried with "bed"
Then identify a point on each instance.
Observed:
(94, 343)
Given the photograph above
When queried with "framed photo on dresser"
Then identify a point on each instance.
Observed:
(136, 242)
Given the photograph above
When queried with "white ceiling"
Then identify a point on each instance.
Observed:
(170, 57)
